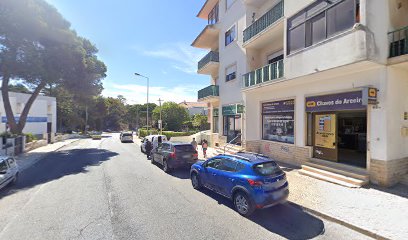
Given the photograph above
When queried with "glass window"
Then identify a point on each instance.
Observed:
(215, 124)
(267, 169)
(297, 38)
(341, 17)
(240, 167)
(317, 29)
(230, 36)
(184, 148)
(166, 147)
(214, 163)
(228, 165)
(3, 166)
(230, 73)
(278, 121)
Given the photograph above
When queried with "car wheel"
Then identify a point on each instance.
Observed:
(195, 181)
(166, 168)
(243, 204)
(141, 149)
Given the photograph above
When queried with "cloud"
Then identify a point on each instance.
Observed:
(137, 93)
(182, 56)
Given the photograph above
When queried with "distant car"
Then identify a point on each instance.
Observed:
(8, 171)
(154, 139)
(126, 137)
(252, 181)
(173, 155)
(96, 135)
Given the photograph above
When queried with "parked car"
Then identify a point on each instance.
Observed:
(154, 139)
(252, 181)
(173, 155)
(126, 137)
(8, 171)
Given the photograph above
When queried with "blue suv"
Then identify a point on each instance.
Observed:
(252, 181)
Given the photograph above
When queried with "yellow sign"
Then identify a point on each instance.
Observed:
(311, 104)
(372, 92)
(325, 131)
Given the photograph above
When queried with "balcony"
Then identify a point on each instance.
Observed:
(208, 38)
(209, 94)
(209, 64)
(267, 73)
(266, 29)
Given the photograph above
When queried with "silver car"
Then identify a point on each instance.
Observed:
(8, 171)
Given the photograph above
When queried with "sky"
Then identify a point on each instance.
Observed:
(152, 38)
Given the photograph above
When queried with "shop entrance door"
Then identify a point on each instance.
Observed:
(232, 128)
(352, 138)
(325, 136)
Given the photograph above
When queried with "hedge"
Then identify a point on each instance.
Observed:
(169, 134)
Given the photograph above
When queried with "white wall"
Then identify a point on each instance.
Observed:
(318, 85)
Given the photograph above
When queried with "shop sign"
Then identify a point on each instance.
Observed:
(278, 106)
(278, 121)
(335, 102)
(370, 96)
(232, 109)
(216, 112)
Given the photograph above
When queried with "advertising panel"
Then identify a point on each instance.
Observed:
(278, 121)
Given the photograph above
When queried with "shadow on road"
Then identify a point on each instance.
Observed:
(285, 220)
(58, 165)
(182, 173)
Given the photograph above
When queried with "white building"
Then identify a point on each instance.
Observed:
(194, 108)
(324, 83)
(42, 118)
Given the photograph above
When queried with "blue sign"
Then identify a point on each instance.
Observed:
(29, 119)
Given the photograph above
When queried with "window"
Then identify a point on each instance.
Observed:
(275, 57)
(267, 169)
(166, 147)
(228, 165)
(230, 73)
(278, 121)
(3, 166)
(213, 15)
(184, 148)
(215, 124)
(230, 36)
(319, 21)
(214, 163)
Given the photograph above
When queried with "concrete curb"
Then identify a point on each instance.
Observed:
(45, 155)
(341, 222)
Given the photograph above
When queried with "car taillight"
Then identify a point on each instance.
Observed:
(195, 155)
(173, 155)
(254, 183)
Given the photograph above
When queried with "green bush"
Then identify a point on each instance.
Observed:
(30, 137)
(169, 134)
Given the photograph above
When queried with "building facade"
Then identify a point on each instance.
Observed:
(322, 83)
(42, 118)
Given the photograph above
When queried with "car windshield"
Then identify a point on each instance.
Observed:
(127, 134)
(184, 148)
(267, 169)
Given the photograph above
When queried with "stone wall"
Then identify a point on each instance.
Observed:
(282, 152)
(388, 173)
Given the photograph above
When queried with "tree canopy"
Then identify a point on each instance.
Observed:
(173, 115)
(38, 47)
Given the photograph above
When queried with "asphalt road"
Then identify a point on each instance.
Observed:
(103, 189)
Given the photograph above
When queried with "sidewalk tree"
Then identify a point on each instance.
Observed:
(173, 116)
(38, 48)
(200, 122)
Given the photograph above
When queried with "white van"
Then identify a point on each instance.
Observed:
(8, 171)
(154, 139)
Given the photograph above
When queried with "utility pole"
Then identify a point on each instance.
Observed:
(86, 119)
(161, 122)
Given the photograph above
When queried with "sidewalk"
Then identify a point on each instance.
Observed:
(376, 212)
(28, 159)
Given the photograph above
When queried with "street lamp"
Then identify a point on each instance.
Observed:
(147, 117)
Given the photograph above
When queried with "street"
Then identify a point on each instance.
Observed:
(104, 189)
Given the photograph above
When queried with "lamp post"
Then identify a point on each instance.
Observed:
(147, 114)
(161, 122)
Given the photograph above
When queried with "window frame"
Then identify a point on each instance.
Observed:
(6, 164)
(307, 19)
(233, 75)
(230, 160)
(228, 34)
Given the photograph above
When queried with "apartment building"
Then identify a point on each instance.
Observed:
(319, 84)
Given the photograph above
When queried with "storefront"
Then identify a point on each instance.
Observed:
(337, 126)
(278, 120)
(232, 122)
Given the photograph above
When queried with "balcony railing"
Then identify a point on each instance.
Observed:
(213, 15)
(398, 42)
(264, 22)
(210, 57)
(210, 91)
(269, 72)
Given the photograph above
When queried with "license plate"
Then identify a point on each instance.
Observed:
(187, 156)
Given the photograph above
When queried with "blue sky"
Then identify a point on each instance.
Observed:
(149, 37)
